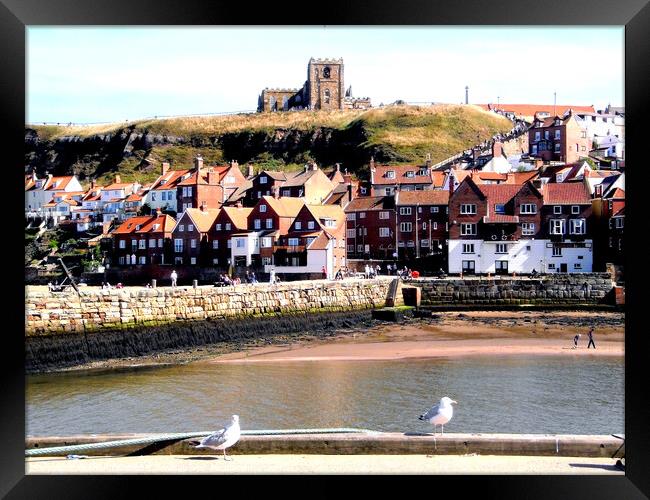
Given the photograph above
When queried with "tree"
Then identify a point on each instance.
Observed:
(145, 209)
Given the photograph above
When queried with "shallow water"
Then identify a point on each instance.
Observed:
(495, 394)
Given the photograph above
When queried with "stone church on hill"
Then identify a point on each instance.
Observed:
(323, 89)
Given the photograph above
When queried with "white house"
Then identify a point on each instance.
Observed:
(38, 192)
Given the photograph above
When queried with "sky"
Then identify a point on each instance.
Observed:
(112, 74)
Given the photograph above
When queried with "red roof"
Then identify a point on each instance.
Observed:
(62, 183)
(565, 194)
(499, 193)
(500, 219)
(531, 109)
(429, 197)
(169, 180)
(380, 178)
(368, 203)
(146, 224)
(203, 179)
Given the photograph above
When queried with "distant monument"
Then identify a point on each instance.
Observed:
(323, 89)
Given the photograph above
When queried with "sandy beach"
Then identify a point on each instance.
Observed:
(470, 333)
(480, 333)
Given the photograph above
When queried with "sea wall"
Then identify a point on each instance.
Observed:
(564, 289)
(94, 309)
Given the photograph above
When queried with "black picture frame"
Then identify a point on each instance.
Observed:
(15, 15)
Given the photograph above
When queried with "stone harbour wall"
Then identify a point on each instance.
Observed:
(584, 288)
(91, 310)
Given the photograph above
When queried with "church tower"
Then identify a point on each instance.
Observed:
(324, 87)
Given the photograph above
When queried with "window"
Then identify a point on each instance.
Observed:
(527, 229)
(142, 244)
(434, 210)
(190, 227)
(362, 215)
(228, 226)
(424, 226)
(575, 209)
(410, 174)
(534, 149)
(546, 134)
(266, 242)
(181, 228)
(178, 245)
(193, 261)
(468, 266)
(557, 209)
(350, 233)
(142, 260)
(501, 266)
(577, 265)
(215, 244)
(298, 225)
(468, 208)
(359, 248)
(240, 242)
(269, 223)
(153, 196)
(193, 243)
(134, 244)
(350, 248)
(528, 208)
(390, 174)
(558, 135)
(218, 227)
(229, 245)
(311, 240)
(383, 215)
(468, 247)
(405, 211)
(388, 191)
(363, 231)
(557, 251)
(122, 258)
(286, 192)
(163, 195)
(294, 242)
(257, 224)
(557, 147)
(351, 216)
(262, 208)
(406, 227)
(501, 248)
(499, 208)
(152, 242)
(384, 232)
(577, 226)
(329, 223)
(263, 181)
(434, 225)
(537, 136)
(618, 222)
(467, 229)
(557, 226)
(122, 244)
(310, 224)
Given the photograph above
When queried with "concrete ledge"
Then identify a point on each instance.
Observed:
(366, 444)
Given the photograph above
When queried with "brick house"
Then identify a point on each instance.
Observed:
(143, 240)
(192, 245)
(265, 183)
(229, 221)
(370, 228)
(567, 228)
(495, 228)
(386, 179)
(558, 138)
(315, 240)
(608, 206)
(310, 184)
(422, 222)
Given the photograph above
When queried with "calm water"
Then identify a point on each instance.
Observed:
(563, 395)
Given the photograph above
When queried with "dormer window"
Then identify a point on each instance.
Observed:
(557, 123)
(423, 171)
(390, 174)
(263, 179)
(137, 228)
(163, 181)
(329, 223)
(410, 173)
(262, 208)
(156, 227)
(499, 208)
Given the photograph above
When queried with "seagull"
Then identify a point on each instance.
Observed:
(223, 438)
(440, 414)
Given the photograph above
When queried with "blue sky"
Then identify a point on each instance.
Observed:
(98, 74)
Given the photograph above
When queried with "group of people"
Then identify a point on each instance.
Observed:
(372, 272)
(591, 339)
(224, 279)
(107, 286)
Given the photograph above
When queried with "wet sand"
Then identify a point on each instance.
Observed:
(457, 334)
(481, 333)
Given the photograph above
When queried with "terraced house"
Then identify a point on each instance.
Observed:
(386, 179)
(191, 236)
(229, 222)
(143, 241)
(421, 222)
(370, 228)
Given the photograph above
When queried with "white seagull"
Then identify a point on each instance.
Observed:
(440, 414)
(223, 438)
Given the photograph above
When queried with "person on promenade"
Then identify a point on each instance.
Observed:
(377, 270)
(339, 275)
(174, 277)
(324, 271)
(367, 271)
(253, 277)
(575, 341)
(272, 276)
(389, 268)
(591, 338)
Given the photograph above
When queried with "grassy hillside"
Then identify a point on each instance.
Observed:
(285, 140)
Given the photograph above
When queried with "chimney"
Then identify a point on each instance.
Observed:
(34, 178)
(234, 163)
(118, 179)
(372, 162)
(510, 178)
(338, 167)
(164, 167)
(213, 177)
(276, 192)
(204, 206)
(198, 163)
(428, 160)
(158, 212)
(314, 166)
(251, 171)
(497, 149)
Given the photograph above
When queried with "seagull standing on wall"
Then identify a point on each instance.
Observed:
(440, 414)
(223, 438)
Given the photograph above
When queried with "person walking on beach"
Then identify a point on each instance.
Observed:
(575, 341)
(174, 276)
(591, 338)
